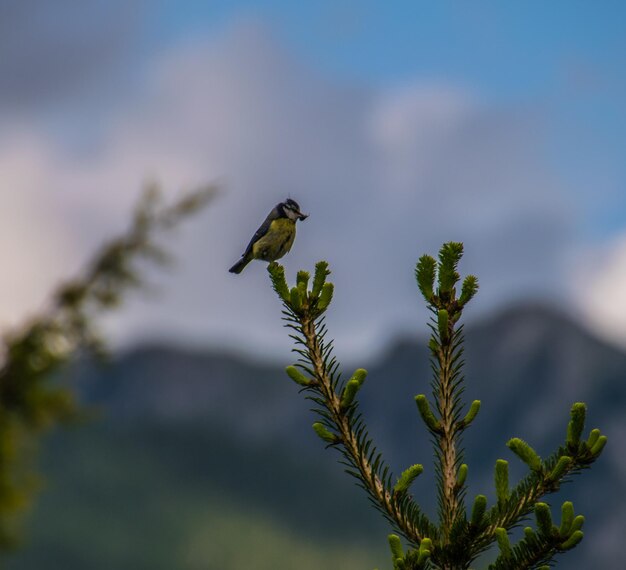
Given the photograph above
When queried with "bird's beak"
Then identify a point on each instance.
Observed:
(302, 216)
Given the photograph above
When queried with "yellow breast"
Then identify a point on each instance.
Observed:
(277, 241)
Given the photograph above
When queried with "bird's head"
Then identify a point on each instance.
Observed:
(291, 210)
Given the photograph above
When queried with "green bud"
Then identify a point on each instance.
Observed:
(544, 519)
(303, 278)
(526, 453)
(279, 283)
(502, 480)
(567, 518)
(425, 275)
(471, 414)
(462, 475)
(298, 377)
(325, 297)
(573, 540)
(529, 534)
(426, 547)
(442, 324)
(349, 392)
(302, 291)
(598, 446)
(408, 476)
(321, 272)
(577, 524)
(560, 468)
(324, 434)
(427, 415)
(478, 510)
(396, 547)
(426, 544)
(359, 376)
(296, 299)
(449, 256)
(576, 424)
(593, 437)
(504, 543)
(468, 290)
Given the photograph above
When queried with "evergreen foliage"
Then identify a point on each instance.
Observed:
(31, 400)
(458, 537)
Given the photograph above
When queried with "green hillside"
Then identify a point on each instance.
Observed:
(155, 497)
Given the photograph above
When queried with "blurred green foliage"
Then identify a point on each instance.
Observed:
(178, 496)
(32, 400)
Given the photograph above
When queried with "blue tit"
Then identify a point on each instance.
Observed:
(275, 236)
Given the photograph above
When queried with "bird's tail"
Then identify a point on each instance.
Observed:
(238, 267)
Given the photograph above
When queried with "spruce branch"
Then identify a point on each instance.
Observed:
(460, 537)
(340, 423)
(447, 363)
(538, 548)
(545, 477)
(414, 559)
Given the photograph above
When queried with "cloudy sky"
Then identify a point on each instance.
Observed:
(397, 126)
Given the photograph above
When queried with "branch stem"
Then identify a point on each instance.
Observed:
(447, 453)
(385, 497)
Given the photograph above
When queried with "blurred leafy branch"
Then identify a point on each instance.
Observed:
(460, 534)
(32, 400)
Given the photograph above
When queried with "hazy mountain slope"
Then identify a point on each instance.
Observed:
(184, 497)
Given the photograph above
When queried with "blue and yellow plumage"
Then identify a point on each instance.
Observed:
(275, 236)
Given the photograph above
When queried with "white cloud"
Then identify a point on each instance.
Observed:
(386, 177)
(600, 288)
(33, 241)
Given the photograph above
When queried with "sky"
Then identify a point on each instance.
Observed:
(396, 126)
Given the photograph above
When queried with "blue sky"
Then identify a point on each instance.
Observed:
(509, 50)
(396, 125)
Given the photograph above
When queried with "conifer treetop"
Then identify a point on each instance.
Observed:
(461, 533)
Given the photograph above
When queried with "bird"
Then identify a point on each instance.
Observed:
(274, 237)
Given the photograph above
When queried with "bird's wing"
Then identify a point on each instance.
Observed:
(263, 229)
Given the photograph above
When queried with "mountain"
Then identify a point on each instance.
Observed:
(199, 459)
